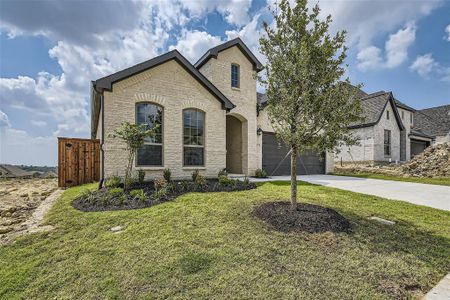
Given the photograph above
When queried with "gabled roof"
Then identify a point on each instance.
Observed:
(213, 52)
(106, 82)
(433, 121)
(14, 171)
(373, 107)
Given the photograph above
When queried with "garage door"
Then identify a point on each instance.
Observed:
(274, 151)
(418, 147)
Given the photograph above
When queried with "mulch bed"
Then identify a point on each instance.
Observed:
(102, 201)
(306, 218)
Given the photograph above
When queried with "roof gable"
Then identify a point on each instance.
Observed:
(106, 83)
(213, 53)
(373, 107)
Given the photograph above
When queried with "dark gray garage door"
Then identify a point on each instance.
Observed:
(274, 151)
(418, 147)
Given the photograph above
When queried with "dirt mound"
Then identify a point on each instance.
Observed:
(433, 162)
(307, 217)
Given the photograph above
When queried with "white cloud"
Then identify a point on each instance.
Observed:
(396, 50)
(447, 31)
(369, 58)
(4, 120)
(193, 44)
(38, 123)
(423, 65)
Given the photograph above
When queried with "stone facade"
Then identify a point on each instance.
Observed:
(218, 71)
(387, 124)
(172, 87)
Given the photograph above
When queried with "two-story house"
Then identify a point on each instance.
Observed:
(209, 116)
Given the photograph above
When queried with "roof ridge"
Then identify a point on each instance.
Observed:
(379, 93)
(434, 107)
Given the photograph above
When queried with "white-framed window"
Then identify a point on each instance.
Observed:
(387, 142)
(151, 154)
(193, 137)
(235, 82)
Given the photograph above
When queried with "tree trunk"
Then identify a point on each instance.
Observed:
(293, 177)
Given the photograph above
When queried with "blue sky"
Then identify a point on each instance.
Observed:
(50, 51)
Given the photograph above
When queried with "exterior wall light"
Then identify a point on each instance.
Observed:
(259, 131)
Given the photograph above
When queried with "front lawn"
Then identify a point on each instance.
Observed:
(209, 245)
(427, 180)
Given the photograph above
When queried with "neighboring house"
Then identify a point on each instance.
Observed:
(392, 131)
(431, 126)
(10, 171)
(208, 114)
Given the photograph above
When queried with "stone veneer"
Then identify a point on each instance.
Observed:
(171, 86)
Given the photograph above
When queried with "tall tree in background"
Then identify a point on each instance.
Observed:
(310, 104)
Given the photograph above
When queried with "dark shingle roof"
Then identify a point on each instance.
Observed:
(261, 99)
(403, 105)
(433, 121)
(213, 52)
(373, 107)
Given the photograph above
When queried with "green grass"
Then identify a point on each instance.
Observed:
(435, 181)
(208, 246)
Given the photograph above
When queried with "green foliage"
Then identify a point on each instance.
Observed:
(167, 174)
(158, 194)
(222, 172)
(195, 174)
(310, 104)
(115, 192)
(129, 181)
(224, 180)
(246, 181)
(133, 135)
(184, 184)
(160, 183)
(138, 194)
(87, 195)
(141, 176)
(260, 173)
(113, 182)
(200, 181)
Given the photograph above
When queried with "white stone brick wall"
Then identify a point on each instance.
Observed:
(218, 71)
(379, 128)
(171, 86)
(364, 152)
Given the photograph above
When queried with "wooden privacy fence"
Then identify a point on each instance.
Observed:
(78, 161)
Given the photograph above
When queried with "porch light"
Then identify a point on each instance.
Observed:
(259, 131)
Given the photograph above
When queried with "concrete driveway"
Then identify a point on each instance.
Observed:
(435, 196)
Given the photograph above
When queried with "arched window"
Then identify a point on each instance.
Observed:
(151, 154)
(193, 137)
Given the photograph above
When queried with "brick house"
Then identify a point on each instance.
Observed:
(209, 113)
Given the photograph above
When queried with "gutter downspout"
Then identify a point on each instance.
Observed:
(102, 103)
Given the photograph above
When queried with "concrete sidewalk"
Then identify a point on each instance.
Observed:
(436, 196)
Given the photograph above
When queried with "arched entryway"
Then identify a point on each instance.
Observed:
(235, 141)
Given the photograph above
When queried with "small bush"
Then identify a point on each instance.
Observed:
(200, 181)
(184, 184)
(129, 182)
(138, 194)
(195, 174)
(141, 176)
(115, 192)
(158, 194)
(160, 183)
(224, 180)
(222, 172)
(167, 174)
(113, 182)
(246, 181)
(87, 195)
(260, 173)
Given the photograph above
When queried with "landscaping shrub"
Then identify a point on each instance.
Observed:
(246, 181)
(224, 180)
(167, 174)
(160, 183)
(200, 181)
(113, 182)
(141, 176)
(184, 185)
(158, 194)
(222, 172)
(138, 194)
(129, 182)
(260, 173)
(195, 174)
(115, 192)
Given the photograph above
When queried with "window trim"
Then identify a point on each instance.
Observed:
(389, 144)
(238, 76)
(147, 143)
(203, 166)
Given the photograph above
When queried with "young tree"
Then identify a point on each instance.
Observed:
(134, 136)
(310, 104)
